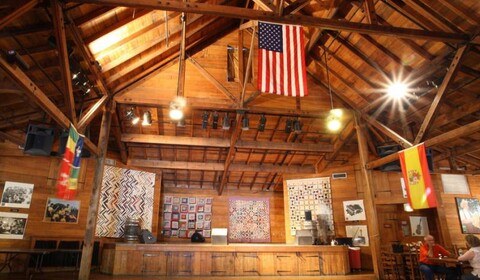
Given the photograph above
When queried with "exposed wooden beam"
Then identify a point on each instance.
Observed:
(298, 147)
(369, 194)
(342, 138)
(176, 140)
(18, 13)
(223, 143)
(35, 93)
(244, 13)
(87, 55)
(231, 152)
(181, 62)
(61, 42)
(437, 101)
(117, 135)
(452, 134)
(179, 165)
(387, 131)
(14, 139)
(213, 166)
(214, 81)
(89, 236)
(370, 11)
(295, 7)
(459, 151)
(264, 5)
(92, 112)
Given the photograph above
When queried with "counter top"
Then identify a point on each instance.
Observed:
(232, 247)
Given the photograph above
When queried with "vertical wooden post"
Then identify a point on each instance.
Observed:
(369, 198)
(88, 241)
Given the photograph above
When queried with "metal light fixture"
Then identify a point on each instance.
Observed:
(132, 116)
(205, 120)
(288, 126)
(215, 120)
(297, 126)
(147, 118)
(261, 123)
(181, 122)
(226, 122)
(245, 122)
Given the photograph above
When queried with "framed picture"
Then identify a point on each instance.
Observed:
(12, 225)
(17, 195)
(359, 235)
(419, 225)
(469, 214)
(62, 211)
(354, 210)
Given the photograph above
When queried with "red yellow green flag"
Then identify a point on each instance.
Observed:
(417, 177)
(70, 167)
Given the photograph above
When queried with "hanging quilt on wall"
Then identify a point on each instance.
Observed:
(125, 194)
(310, 194)
(248, 220)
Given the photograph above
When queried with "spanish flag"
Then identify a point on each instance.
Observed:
(417, 177)
(70, 167)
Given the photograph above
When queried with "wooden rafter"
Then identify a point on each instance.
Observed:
(437, 101)
(35, 93)
(21, 10)
(231, 152)
(214, 81)
(452, 134)
(61, 42)
(243, 13)
(223, 143)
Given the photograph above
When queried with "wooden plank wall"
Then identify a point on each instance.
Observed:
(42, 171)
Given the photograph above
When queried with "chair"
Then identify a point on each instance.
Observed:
(390, 266)
(70, 258)
(48, 260)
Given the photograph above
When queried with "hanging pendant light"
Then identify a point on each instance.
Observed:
(334, 116)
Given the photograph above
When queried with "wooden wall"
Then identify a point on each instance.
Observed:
(42, 172)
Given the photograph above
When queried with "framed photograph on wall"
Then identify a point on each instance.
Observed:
(17, 195)
(469, 214)
(419, 225)
(62, 211)
(359, 235)
(354, 210)
(12, 225)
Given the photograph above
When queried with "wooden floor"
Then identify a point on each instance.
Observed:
(99, 276)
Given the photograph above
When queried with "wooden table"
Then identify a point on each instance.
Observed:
(12, 253)
(449, 262)
(38, 254)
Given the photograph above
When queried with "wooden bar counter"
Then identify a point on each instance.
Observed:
(195, 259)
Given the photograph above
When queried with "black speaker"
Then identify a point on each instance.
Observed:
(384, 151)
(147, 237)
(39, 140)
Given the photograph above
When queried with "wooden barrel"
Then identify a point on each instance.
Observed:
(132, 230)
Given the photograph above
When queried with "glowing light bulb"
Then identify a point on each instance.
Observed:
(397, 90)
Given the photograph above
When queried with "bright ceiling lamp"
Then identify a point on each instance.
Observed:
(176, 108)
(334, 116)
(397, 90)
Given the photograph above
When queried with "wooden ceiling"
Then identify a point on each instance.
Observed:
(143, 54)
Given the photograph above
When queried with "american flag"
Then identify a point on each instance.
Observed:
(281, 59)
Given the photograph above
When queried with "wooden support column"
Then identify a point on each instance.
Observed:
(87, 249)
(369, 198)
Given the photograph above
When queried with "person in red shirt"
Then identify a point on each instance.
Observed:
(431, 250)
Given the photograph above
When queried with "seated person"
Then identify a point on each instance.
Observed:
(473, 256)
(431, 250)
